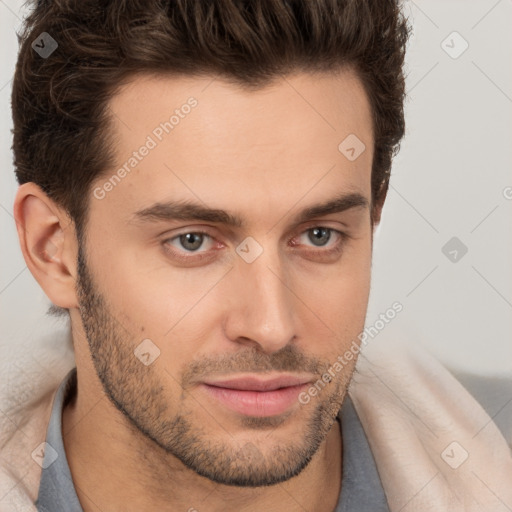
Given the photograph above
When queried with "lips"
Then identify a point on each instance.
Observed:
(253, 396)
(255, 384)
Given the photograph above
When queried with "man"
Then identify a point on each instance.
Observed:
(199, 185)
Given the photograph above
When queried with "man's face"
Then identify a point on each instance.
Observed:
(189, 320)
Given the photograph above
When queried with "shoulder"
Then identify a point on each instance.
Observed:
(494, 394)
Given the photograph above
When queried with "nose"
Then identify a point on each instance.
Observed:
(261, 313)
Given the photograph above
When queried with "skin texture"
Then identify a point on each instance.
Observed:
(149, 437)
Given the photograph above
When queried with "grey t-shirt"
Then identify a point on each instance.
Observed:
(361, 487)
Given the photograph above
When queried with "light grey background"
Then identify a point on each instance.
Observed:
(451, 179)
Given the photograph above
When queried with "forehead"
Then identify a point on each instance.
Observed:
(211, 140)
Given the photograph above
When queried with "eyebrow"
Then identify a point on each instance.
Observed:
(187, 210)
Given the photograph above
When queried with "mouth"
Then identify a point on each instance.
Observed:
(253, 396)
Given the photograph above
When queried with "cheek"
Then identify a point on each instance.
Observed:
(345, 285)
(342, 302)
(340, 295)
(155, 302)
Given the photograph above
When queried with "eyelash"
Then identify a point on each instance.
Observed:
(196, 257)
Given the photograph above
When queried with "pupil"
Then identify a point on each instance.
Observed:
(321, 235)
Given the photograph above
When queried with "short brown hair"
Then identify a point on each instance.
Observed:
(59, 103)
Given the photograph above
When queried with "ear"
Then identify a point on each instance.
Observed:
(48, 243)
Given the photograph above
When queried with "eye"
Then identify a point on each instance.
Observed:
(320, 236)
(190, 242)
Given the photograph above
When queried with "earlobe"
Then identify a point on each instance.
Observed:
(48, 243)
